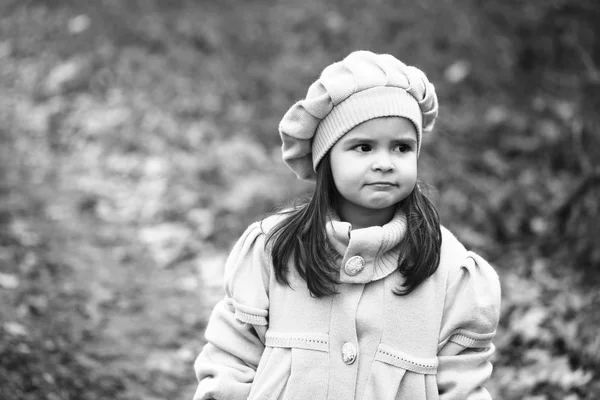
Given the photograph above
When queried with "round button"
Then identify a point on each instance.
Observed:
(354, 265)
(348, 353)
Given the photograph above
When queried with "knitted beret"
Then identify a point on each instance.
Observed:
(361, 87)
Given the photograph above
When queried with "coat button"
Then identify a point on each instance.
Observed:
(348, 353)
(354, 265)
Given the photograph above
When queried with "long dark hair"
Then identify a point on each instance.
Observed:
(300, 239)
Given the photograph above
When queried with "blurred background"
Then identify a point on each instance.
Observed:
(138, 139)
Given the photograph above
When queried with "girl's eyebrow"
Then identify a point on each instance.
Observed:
(368, 140)
(359, 139)
(406, 140)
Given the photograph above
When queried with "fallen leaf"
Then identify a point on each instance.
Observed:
(529, 324)
(69, 75)
(79, 24)
(14, 328)
(8, 281)
(458, 71)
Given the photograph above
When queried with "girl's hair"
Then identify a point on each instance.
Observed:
(300, 239)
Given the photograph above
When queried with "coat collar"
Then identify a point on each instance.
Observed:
(366, 254)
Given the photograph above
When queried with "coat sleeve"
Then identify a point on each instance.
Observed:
(235, 333)
(471, 314)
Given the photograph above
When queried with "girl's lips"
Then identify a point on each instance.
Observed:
(382, 185)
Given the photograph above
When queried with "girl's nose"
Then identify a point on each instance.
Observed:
(383, 163)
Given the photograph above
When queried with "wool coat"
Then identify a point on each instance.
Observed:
(269, 341)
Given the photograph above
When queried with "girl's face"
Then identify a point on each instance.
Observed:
(374, 166)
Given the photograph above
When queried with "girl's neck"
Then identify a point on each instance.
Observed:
(360, 217)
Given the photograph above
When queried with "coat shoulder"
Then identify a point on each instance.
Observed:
(453, 252)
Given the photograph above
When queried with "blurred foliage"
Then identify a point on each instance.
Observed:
(138, 139)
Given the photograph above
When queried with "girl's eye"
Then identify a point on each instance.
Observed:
(402, 148)
(363, 148)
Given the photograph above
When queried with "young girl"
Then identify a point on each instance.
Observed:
(358, 293)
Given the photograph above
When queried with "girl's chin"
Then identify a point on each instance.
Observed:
(382, 202)
(376, 206)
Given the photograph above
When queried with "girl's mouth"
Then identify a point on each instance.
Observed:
(381, 185)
